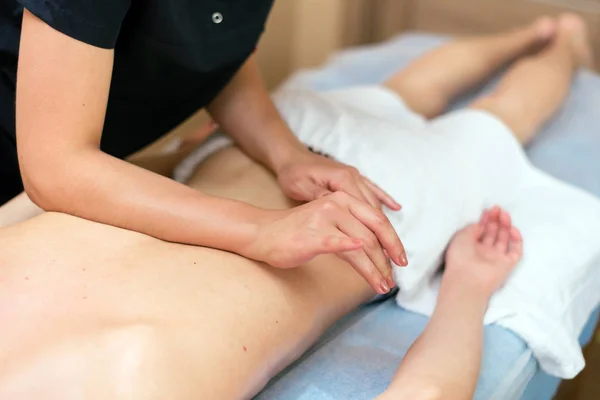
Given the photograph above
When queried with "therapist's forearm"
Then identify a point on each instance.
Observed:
(98, 187)
(444, 361)
(245, 111)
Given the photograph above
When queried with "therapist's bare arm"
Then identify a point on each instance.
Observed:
(62, 93)
(245, 111)
(256, 118)
(444, 362)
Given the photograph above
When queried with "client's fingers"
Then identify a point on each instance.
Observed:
(515, 250)
(382, 195)
(490, 233)
(505, 219)
(495, 213)
(502, 239)
(482, 223)
(485, 217)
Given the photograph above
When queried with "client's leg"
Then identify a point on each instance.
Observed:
(430, 82)
(535, 87)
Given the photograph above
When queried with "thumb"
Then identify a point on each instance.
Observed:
(201, 133)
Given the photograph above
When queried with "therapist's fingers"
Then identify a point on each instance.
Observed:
(365, 268)
(367, 193)
(201, 134)
(345, 180)
(371, 246)
(378, 223)
(382, 195)
(319, 192)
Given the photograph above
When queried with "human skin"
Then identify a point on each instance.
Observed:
(62, 93)
(444, 362)
(93, 311)
(122, 310)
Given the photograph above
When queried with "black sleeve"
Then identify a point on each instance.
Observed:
(96, 22)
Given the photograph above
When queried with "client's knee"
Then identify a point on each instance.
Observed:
(422, 97)
(511, 111)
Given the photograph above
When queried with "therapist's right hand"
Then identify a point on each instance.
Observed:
(334, 224)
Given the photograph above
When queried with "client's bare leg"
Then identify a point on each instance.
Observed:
(431, 81)
(536, 86)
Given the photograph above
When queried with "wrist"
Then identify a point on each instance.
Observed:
(285, 150)
(465, 286)
(250, 246)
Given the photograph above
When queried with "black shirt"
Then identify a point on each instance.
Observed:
(172, 57)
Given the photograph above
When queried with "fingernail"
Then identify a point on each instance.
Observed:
(391, 282)
(404, 261)
(385, 287)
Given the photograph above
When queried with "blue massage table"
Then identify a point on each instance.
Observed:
(358, 356)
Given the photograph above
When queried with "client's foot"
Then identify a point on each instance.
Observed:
(486, 252)
(575, 28)
(543, 28)
(537, 34)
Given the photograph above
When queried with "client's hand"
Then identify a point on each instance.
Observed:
(311, 176)
(337, 223)
(485, 253)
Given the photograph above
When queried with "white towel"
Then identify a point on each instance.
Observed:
(444, 173)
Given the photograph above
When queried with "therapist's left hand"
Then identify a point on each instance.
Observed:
(310, 176)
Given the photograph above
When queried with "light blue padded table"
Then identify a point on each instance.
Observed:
(357, 357)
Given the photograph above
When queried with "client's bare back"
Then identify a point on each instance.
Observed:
(106, 311)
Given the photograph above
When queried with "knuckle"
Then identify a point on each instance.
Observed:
(339, 196)
(328, 242)
(346, 174)
(371, 242)
(352, 170)
(328, 206)
(379, 218)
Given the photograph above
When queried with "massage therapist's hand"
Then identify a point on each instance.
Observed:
(310, 176)
(336, 223)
